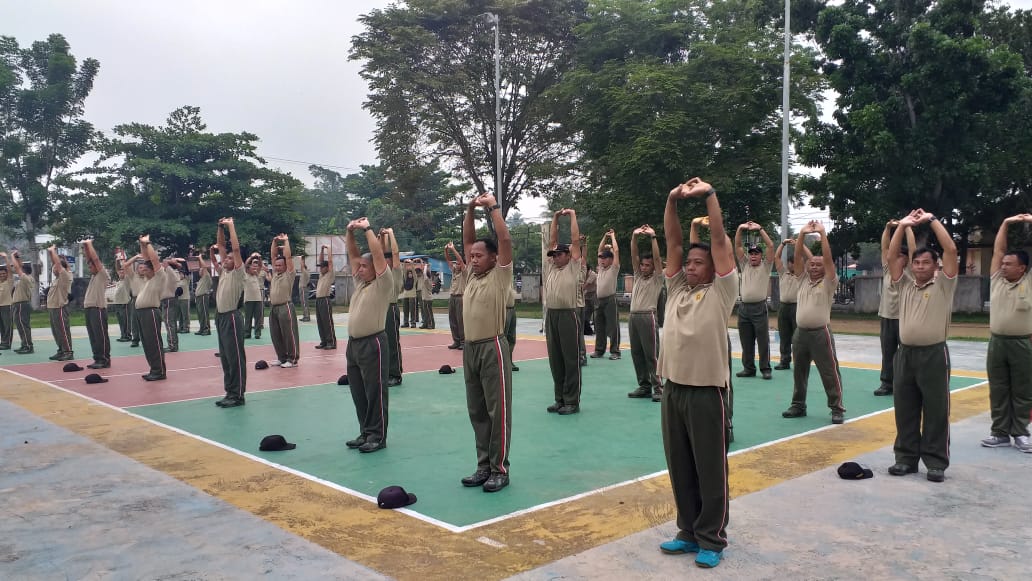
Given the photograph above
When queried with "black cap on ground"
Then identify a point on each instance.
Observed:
(394, 497)
(445, 370)
(95, 378)
(854, 471)
(261, 364)
(69, 367)
(343, 379)
(275, 443)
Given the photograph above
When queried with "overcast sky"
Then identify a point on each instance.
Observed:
(278, 69)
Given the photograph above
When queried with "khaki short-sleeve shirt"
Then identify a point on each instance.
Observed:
(322, 287)
(136, 282)
(252, 287)
(458, 282)
(399, 281)
(184, 284)
(171, 279)
(788, 287)
(605, 281)
(483, 303)
(813, 307)
(95, 290)
(695, 350)
(6, 291)
(755, 281)
(23, 289)
(645, 295)
(122, 294)
(368, 313)
(888, 306)
(281, 287)
(561, 286)
(1010, 305)
(231, 287)
(204, 284)
(925, 312)
(57, 296)
(150, 294)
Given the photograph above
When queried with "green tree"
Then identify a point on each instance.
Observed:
(925, 102)
(430, 69)
(175, 182)
(665, 90)
(42, 133)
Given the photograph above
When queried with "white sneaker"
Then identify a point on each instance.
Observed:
(275, 363)
(287, 365)
(997, 441)
(1023, 444)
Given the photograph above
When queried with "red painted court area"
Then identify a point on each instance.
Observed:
(198, 374)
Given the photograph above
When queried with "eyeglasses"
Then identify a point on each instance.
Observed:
(600, 256)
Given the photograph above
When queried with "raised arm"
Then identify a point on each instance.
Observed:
(553, 231)
(575, 249)
(739, 249)
(233, 241)
(634, 249)
(494, 213)
(1000, 244)
(55, 260)
(656, 260)
(768, 246)
(896, 243)
(149, 254)
(214, 251)
(274, 248)
(616, 250)
(393, 248)
(469, 227)
(285, 249)
(950, 266)
(778, 264)
(723, 258)
(826, 258)
(674, 235)
(91, 255)
(14, 263)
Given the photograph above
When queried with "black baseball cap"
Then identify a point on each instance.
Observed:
(95, 378)
(69, 367)
(275, 443)
(854, 471)
(394, 497)
(559, 248)
(261, 364)
(754, 249)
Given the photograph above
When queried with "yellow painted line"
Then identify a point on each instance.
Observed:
(357, 530)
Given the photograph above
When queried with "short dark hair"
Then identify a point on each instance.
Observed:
(1021, 255)
(701, 245)
(489, 243)
(926, 250)
(645, 256)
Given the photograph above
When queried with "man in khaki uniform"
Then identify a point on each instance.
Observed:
(183, 294)
(203, 295)
(643, 326)
(6, 291)
(229, 321)
(254, 309)
(392, 254)
(21, 304)
(813, 340)
(425, 298)
(408, 294)
(607, 320)
(753, 325)
(486, 360)
(136, 284)
(304, 277)
(888, 307)
(156, 277)
(57, 306)
(368, 350)
(1009, 360)
(170, 304)
(562, 324)
(458, 285)
(120, 303)
(701, 293)
(95, 303)
(510, 326)
(282, 317)
(788, 294)
(324, 304)
(921, 374)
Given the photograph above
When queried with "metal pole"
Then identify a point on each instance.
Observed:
(498, 112)
(785, 121)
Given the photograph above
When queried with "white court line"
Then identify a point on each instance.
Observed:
(442, 524)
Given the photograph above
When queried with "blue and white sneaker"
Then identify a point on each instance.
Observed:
(678, 546)
(708, 559)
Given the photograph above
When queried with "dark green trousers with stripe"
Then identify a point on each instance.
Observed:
(921, 394)
(393, 329)
(184, 315)
(150, 336)
(283, 330)
(607, 325)
(889, 338)
(487, 368)
(695, 425)
(61, 329)
(324, 321)
(230, 329)
(644, 331)
(170, 313)
(1009, 364)
(455, 319)
(561, 328)
(754, 335)
(816, 345)
(21, 312)
(786, 330)
(203, 315)
(510, 329)
(97, 329)
(6, 325)
(134, 320)
(122, 316)
(367, 377)
(254, 318)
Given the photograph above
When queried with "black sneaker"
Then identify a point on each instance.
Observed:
(515, 367)
(98, 365)
(596, 355)
(641, 392)
(744, 373)
(883, 390)
(901, 469)
(554, 407)
(454, 346)
(783, 366)
(65, 357)
(794, 412)
(766, 375)
(371, 446)
(356, 443)
(24, 350)
(478, 478)
(498, 481)
(231, 402)
(568, 409)
(153, 377)
(936, 475)
(124, 339)
(837, 417)
(134, 344)
(657, 396)
(614, 356)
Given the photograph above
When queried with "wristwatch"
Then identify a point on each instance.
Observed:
(496, 207)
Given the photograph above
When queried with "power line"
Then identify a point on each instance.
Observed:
(307, 163)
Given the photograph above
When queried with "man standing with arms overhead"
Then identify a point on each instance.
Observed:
(6, 291)
(701, 295)
(183, 294)
(254, 309)
(367, 350)
(95, 303)
(324, 304)
(120, 302)
(888, 308)
(170, 304)
(458, 286)
(21, 303)
(391, 254)
(921, 374)
(203, 295)
(486, 359)
(562, 323)
(282, 317)
(607, 320)
(303, 278)
(57, 305)
(1009, 360)
(813, 340)
(788, 294)
(136, 283)
(753, 326)
(427, 302)
(148, 308)
(643, 327)
(229, 321)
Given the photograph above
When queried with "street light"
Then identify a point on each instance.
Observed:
(494, 19)
(785, 121)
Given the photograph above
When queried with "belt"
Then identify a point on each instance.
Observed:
(1011, 337)
(479, 341)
